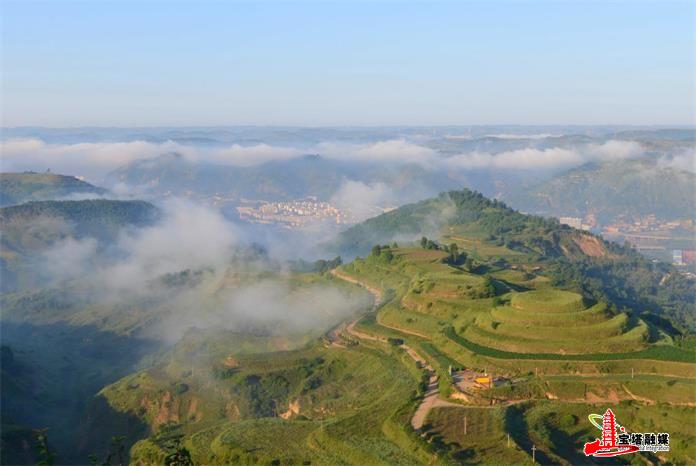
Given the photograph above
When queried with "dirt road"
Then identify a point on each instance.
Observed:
(431, 399)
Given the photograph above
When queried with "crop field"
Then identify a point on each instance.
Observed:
(558, 356)
(483, 440)
(537, 322)
(548, 301)
(251, 441)
(468, 240)
(596, 313)
(656, 352)
(525, 325)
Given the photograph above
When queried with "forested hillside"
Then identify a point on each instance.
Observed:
(16, 188)
(88, 217)
(29, 229)
(488, 218)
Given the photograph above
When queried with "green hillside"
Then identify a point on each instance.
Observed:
(28, 229)
(16, 188)
(353, 396)
(561, 352)
(598, 269)
(470, 213)
(87, 343)
(316, 404)
(496, 333)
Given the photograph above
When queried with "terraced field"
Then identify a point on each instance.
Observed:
(351, 398)
(551, 346)
(555, 321)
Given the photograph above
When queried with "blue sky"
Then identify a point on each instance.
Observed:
(361, 63)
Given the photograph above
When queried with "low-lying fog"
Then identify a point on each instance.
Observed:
(199, 270)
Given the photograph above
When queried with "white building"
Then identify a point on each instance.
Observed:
(677, 257)
(575, 222)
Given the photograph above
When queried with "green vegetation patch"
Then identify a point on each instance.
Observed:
(548, 300)
(264, 441)
(659, 353)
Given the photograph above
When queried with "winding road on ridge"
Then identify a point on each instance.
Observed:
(431, 399)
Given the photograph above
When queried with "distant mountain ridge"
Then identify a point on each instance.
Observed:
(277, 180)
(16, 188)
(609, 190)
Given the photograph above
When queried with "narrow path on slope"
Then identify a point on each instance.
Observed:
(431, 399)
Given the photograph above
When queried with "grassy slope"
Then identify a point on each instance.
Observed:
(557, 437)
(353, 403)
(349, 403)
(558, 430)
(87, 346)
(436, 301)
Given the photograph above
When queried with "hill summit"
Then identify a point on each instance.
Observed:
(538, 321)
(573, 259)
(469, 213)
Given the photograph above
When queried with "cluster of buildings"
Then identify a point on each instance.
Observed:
(683, 256)
(294, 214)
(647, 224)
(666, 240)
(650, 234)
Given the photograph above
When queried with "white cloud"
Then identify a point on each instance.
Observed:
(549, 158)
(70, 257)
(523, 136)
(390, 151)
(76, 159)
(96, 159)
(685, 161)
(614, 150)
(268, 303)
(189, 237)
(196, 238)
(363, 200)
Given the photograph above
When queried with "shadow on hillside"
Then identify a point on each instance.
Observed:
(101, 424)
(561, 444)
(63, 368)
(516, 425)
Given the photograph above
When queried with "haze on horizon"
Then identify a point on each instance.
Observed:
(129, 64)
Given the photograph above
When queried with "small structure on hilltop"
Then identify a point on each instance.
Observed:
(231, 362)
